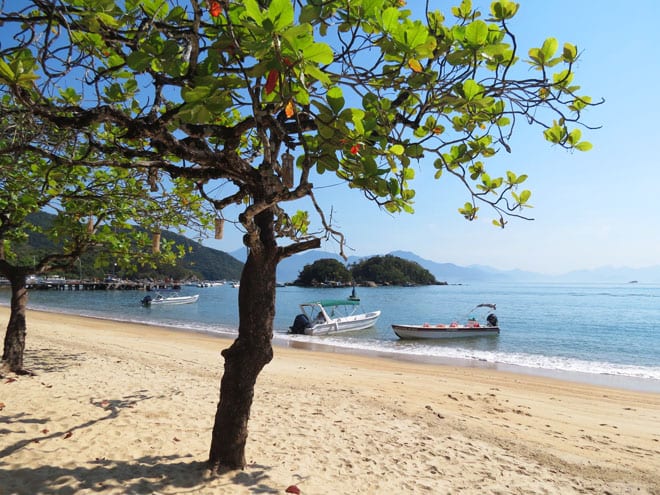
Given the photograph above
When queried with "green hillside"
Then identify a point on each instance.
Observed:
(200, 262)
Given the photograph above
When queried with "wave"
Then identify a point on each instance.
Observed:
(484, 353)
(549, 364)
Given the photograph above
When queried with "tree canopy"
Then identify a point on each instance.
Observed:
(322, 271)
(360, 89)
(381, 270)
(391, 270)
(246, 103)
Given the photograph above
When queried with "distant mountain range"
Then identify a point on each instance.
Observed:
(213, 264)
(288, 270)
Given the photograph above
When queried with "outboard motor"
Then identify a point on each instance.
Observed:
(492, 320)
(146, 301)
(299, 324)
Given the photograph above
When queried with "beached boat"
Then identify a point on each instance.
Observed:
(332, 316)
(472, 328)
(160, 300)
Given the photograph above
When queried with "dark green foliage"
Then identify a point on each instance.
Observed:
(324, 271)
(210, 263)
(381, 270)
(199, 262)
(391, 270)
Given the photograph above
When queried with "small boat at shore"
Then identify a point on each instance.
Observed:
(472, 328)
(331, 316)
(161, 300)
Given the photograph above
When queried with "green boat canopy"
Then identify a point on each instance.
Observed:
(328, 303)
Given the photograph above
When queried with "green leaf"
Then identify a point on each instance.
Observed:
(196, 94)
(6, 74)
(390, 20)
(583, 146)
(549, 48)
(574, 136)
(555, 134)
(414, 151)
(420, 132)
(319, 53)
(476, 33)
(309, 13)
(318, 74)
(152, 7)
(397, 149)
(280, 13)
(253, 11)
(357, 116)
(569, 53)
(503, 10)
(464, 10)
(471, 89)
(415, 35)
(139, 61)
(336, 99)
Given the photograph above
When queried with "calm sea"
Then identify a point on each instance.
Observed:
(600, 333)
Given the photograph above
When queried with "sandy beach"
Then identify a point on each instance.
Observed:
(118, 408)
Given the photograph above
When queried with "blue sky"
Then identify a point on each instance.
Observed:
(593, 209)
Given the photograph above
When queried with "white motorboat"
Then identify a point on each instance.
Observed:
(332, 316)
(472, 328)
(161, 300)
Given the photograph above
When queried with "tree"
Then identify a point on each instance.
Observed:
(392, 270)
(323, 270)
(93, 208)
(229, 95)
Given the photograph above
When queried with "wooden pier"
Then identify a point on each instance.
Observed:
(57, 283)
(89, 285)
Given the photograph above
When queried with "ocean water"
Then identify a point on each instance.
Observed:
(600, 333)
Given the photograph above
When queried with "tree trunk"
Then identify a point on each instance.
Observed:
(16, 328)
(249, 353)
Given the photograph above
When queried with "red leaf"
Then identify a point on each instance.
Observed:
(355, 149)
(2, 406)
(271, 81)
(44, 431)
(215, 9)
(68, 434)
(10, 380)
(293, 489)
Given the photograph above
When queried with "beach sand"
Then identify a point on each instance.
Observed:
(119, 408)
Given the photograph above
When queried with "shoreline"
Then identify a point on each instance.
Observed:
(119, 408)
(623, 382)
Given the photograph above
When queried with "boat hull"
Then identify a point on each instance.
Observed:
(170, 301)
(344, 324)
(442, 332)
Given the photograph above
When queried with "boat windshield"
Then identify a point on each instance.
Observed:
(316, 311)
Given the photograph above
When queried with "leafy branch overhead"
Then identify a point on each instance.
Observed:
(249, 103)
(216, 93)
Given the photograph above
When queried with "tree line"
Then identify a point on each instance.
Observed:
(378, 270)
